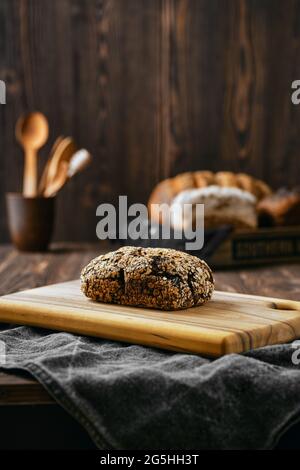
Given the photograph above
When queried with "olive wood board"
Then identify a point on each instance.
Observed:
(229, 323)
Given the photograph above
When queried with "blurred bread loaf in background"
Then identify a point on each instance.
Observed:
(187, 187)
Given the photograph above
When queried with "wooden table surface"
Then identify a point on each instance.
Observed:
(19, 271)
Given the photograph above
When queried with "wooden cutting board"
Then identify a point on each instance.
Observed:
(228, 323)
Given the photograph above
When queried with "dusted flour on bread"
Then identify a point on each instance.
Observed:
(148, 277)
(222, 206)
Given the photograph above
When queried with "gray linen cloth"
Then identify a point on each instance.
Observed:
(134, 397)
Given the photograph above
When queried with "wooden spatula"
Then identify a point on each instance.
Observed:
(63, 153)
(43, 180)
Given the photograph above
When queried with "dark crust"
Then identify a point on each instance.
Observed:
(148, 277)
(281, 208)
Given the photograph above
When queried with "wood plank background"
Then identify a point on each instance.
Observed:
(151, 88)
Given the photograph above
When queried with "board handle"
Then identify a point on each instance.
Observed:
(288, 305)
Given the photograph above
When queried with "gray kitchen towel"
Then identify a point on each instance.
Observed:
(133, 397)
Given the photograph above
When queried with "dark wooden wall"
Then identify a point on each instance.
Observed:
(152, 88)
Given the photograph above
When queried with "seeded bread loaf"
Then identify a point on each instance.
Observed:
(158, 278)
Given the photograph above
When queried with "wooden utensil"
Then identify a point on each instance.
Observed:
(229, 323)
(63, 153)
(59, 181)
(32, 132)
(80, 160)
(66, 170)
(43, 180)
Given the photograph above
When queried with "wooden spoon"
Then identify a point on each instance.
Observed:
(32, 132)
(78, 162)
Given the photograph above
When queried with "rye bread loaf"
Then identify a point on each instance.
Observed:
(158, 278)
